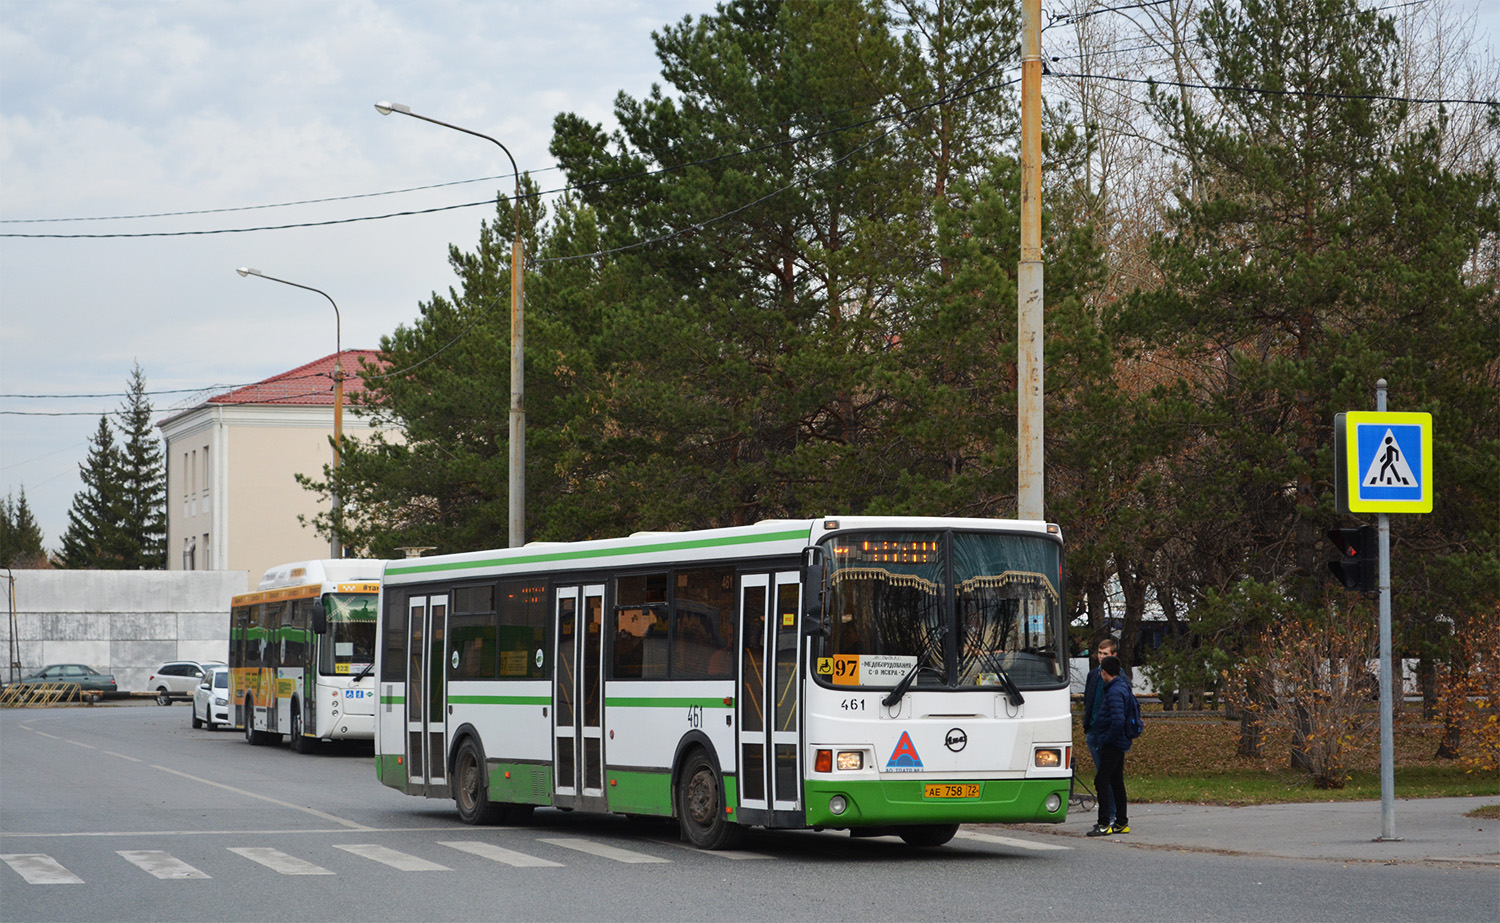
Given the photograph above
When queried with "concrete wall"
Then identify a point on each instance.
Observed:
(124, 622)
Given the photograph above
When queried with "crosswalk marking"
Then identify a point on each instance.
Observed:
(600, 849)
(500, 854)
(162, 865)
(40, 869)
(1010, 841)
(279, 861)
(388, 856)
(716, 853)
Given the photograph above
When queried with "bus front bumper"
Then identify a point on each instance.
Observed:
(874, 803)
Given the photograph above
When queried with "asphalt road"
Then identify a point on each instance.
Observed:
(126, 813)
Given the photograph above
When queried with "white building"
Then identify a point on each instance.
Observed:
(233, 501)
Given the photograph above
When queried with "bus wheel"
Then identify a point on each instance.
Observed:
(700, 806)
(927, 834)
(252, 736)
(300, 743)
(470, 788)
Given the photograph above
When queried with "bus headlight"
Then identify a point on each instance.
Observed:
(1047, 758)
(850, 760)
(838, 804)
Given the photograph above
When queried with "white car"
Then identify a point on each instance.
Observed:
(211, 699)
(176, 679)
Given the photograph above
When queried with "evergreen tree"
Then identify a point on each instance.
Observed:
(93, 537)
(20, 536)
(143, 483)
(1318, 248)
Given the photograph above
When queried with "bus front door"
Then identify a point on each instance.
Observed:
(578, 697)
(426, 696)
(770, 770)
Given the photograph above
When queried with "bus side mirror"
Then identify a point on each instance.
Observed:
(320, 615)
(814, 568)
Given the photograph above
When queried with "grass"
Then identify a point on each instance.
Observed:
(1194, 760)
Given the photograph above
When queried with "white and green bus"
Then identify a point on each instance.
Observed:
(884, 675)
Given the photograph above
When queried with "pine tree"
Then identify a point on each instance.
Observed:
(143, 483)
(92, 539)
(20, 536)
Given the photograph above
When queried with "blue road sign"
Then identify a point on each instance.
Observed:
(1390, 467)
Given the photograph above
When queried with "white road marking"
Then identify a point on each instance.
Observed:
(276, 801)
(501, 854)
(123, 756)
(391, 857)
(161, 864)
(85, 746)
(39, 869)
(1010, 841)
(279, 861)
(716, 853)
(600, 849)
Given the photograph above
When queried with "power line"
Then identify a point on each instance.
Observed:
(1151, 81)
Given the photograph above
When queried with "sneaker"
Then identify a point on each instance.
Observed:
(1101, 830)
(1119, 828)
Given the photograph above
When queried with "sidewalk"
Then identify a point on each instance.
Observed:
(1428, 830)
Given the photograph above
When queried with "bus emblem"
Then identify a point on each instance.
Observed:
(904, 758)
(956, 740)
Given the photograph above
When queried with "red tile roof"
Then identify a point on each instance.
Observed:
(310, 384)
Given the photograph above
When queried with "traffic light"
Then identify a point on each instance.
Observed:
(1359, 560)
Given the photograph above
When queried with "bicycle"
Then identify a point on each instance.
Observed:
(1086, 799)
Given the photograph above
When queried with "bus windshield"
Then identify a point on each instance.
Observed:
(349, 645)
(962, 608)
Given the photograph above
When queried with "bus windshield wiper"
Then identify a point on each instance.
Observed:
(900, 691)
(1012, 691)
(365, 672)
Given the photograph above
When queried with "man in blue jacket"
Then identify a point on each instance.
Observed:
(1093, 697)
(1109, 727)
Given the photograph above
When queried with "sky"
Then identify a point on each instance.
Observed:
(136, 108)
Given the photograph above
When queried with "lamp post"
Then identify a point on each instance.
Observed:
(335, 544)
(517, 341)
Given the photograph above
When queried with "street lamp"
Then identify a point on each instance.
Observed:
(335, 544)
(517, 342)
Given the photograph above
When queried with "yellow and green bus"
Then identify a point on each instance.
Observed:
(302, 653)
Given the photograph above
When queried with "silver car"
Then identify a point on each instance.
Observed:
(176, 679)
(211, 699)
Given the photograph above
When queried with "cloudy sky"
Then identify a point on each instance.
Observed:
(143, 108)
(218, 110)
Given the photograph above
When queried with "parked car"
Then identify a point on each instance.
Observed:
(176, 679)
(211, 699)
(87, 678)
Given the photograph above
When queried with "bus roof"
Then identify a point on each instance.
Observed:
(768, 538)
(301, 573)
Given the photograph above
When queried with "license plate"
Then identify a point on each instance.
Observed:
(951, 790)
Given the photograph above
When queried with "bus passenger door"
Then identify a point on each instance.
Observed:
(578, 697)
(426, 695)
(770, 718)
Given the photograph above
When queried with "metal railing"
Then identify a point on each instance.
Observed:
(45, 695)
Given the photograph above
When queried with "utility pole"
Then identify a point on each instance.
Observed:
(1029, 472)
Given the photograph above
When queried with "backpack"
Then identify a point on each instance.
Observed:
(1134, 726)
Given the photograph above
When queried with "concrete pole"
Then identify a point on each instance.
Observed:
(1029, 453)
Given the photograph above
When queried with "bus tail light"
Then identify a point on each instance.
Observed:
(824, 761)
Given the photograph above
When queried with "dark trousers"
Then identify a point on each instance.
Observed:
(1103, 795)
(1109, 776)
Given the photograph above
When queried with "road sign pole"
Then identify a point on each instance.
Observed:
(1387, 731)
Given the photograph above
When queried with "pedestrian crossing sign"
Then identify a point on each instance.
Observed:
(1385, 461)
